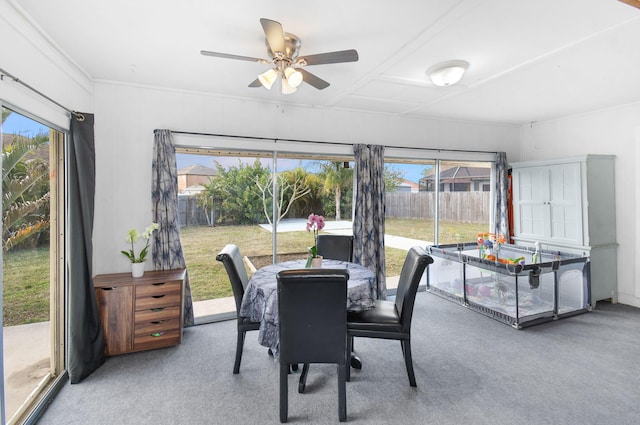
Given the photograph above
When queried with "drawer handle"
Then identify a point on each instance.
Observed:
(157, 334)
(108, 289)
(157, 309)
(158, 284)
(157, 322)
(157, 296)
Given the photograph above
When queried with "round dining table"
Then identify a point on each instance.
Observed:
(260, 301)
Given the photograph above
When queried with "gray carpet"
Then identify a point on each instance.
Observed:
(470, 369)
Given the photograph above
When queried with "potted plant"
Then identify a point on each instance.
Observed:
(315, 223)
(137, 261)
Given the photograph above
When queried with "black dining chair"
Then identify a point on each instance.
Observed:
(312, 313)
(392, 319)
(336, 247)
(232, 260)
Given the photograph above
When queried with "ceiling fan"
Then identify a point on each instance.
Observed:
(283, 49)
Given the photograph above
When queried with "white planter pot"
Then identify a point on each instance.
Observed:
(137, 269)
(316, 263)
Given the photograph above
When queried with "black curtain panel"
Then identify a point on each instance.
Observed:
(86, 344)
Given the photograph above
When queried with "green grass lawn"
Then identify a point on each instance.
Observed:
(25, 284)
(26, 273)
(209, 279)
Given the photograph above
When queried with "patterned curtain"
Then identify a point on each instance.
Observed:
(368, 220)
(502, 195)
(166, 248)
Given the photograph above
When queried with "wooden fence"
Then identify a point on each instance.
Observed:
(461, 207)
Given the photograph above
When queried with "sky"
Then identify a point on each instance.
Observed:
(20, 124)
(412, 172)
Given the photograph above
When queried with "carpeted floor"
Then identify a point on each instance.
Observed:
(470, 370)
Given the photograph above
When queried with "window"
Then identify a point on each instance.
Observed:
(227, 197)
(463, 211)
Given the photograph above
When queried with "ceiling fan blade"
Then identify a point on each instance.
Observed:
(634, 3)
(313, 80)
(275, 35)
(228, 56)
(255, 83)
(331, 57)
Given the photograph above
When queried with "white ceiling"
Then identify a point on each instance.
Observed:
(529, 60)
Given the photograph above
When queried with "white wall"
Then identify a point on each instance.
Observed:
(31, 58)
(127, 115)
(614, 131)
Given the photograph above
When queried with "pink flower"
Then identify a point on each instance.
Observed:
(315, 223)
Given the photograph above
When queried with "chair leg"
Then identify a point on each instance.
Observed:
(342, 391)
(406, 350)
(349, 353)
(303, 378)
(284, 391)
(355, 361)
(239, 346)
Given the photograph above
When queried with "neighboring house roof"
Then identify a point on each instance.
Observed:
(192, 190)
(409, 183)
(461, 174)
(197, 170)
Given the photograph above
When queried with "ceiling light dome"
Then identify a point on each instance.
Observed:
(267, 78)
(287, 88)
(294, 78)
(447, 73)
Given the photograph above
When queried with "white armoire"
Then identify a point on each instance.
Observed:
(568, 205)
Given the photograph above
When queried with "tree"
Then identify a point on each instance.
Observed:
(337, 178)
(392, 178)
(291, 186)
(25, 190)
(234, 192)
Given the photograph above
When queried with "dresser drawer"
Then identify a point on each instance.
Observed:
(155, 314)
(156, 340)
(156, 327)
(158, 301)
(160, 288)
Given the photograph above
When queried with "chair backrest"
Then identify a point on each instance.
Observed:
(232, 260)
(312, 312)
(412, 270)
(336, 247)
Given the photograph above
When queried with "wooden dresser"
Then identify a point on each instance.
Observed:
(140, 313)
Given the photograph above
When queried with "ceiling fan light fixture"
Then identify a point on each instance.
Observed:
(294, 78)
(447, 73)
(267, 78)
(287, 88)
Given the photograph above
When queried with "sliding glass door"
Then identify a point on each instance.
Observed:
(241, 198)
(32, 261)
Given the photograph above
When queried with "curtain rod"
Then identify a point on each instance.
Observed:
(78, 115)
(192, 133)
